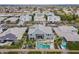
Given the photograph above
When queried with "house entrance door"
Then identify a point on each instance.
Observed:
(40, 36)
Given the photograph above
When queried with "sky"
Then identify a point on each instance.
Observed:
(39, 1)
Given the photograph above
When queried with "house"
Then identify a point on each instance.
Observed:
(68, 10)
(77, 12)
(6, 15)
(2, 19)
(68, 33)
(40, 32)
(3, 28)
(24, 18)
(12, 34)
(53, 19)
(8, 37)
(50, 14)
(12, 20)
(39, 17)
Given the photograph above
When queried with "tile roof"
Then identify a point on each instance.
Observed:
(69, 32)
(40, 27)
(18, 32)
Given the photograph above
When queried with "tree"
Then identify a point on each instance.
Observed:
(2, 22)
(63, 17)
(45, 17)
(33, 17)
(69, 17)
(73, 45)
(78, 31)
(75, 16)
(58, 40)
(17, 21)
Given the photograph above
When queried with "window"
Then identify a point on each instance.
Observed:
(30, 34)
(48, 34)
(31, 38)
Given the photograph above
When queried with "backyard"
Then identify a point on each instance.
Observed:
(73, 45)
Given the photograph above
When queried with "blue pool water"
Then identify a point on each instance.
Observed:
(63, 46)
(43, 45)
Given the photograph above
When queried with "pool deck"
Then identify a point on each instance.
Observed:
(51, 42)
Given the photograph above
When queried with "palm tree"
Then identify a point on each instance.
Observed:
(45, 17)
(78, 31)
(31, 43)
(58, 41)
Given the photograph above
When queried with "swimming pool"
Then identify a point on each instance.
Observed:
(41, 45)
(63, 45)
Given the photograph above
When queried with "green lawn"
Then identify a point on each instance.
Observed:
(73, 45)
(40, 52)
(35, 52)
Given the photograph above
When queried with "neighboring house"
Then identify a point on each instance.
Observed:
(12, 20)
(6, 15)
(9, 14)
(8, 37)
(39, 17)
(53, 19)
(12, 34)
(40, 32)
(68, 33)
(2, 19)
(68, 10)
(3, 27)
(50, 14)
(24, 18)
(77, 12)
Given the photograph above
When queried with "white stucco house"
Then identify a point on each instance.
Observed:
(77, 12)
(24, 18)
(3, 27)
(6, 15)
(53, 19)
(1, 30)
(40, 32)
(12, 19)
(2, 18)
(50, 14)
(39, 17)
